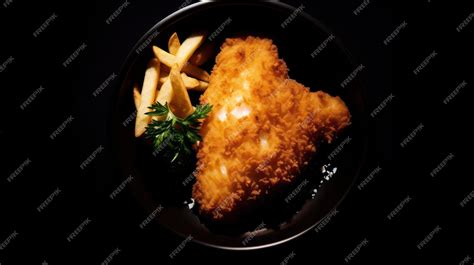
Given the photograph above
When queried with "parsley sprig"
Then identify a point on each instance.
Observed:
(176, 135)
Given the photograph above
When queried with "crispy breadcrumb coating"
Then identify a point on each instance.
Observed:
(263, 129)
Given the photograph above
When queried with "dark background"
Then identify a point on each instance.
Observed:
(114, 223)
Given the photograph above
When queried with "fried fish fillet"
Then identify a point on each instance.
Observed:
(263, 129)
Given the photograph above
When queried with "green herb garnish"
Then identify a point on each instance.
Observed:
(173, 134)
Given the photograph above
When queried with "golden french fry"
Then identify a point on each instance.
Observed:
(202, 54)
(190, 69)
(150, 83)
(174, 43)
(166, 58)
(180, 103)
(189, 82)
(187, 48)
(196, 72)
(201, 87)
(165, 94)
(137, 97)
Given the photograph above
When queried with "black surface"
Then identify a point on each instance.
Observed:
(114, 223)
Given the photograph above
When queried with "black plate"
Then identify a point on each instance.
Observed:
(325, 72)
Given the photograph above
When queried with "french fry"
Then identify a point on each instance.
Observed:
(174, 44)
(165, 94)
(201, 87)
(202, 54)
(175, 76)
(190, 69)
(180, 103)
(187, 48)
(189, 82)
(166, 58)
(196, 72)
(137, 97)
(150, 83)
